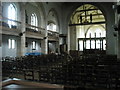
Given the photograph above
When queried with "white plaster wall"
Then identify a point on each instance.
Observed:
(38, 45)
(5, 50)
(73, 38)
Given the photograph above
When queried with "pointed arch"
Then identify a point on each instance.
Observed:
(38, 9)
(42, 13)
(52, 18)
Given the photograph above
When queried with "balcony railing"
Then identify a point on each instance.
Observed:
(16, 25)
(53, 34)
(9, 23)
(35, 29)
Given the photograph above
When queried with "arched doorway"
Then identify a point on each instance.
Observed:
(87, 28)
(53, 31)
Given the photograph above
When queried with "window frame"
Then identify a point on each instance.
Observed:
(52, 26)
(11, 43)
(34, 21)
(12, 9)
(34, 45)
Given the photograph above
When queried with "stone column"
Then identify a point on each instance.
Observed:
(0, 45)
(0, 30)
(118, 55)
(68, 39)
(117, 22)
(23, 36)
(44, 43)
(72, 38)
(57, 47)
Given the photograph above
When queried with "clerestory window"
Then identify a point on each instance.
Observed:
(12, 15)
(34, 21)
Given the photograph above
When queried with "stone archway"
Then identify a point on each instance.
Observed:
(81, 20)
(104, 7)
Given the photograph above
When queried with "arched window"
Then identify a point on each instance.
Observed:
(90, 25)
(12, 14)
(51, 26)
(34, 21)
(94, 38)
(98, 33)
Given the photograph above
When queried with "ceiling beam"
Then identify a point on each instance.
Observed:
(86, 10)
(78, 24)
(92, 15)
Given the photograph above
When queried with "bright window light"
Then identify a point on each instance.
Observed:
(54, 27)
(88, 44)
(97, 44)
(11, 43)
(51, 26)
(104, 44)
(93, 44)
(33, 45)
(34, 21)
(11, 14)
(81, 45)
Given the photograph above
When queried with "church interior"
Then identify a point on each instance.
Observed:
(60, 45)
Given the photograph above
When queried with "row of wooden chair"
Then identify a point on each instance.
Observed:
(98, 71)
